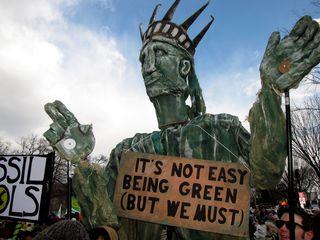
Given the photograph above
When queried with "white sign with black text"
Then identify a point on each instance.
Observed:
(24, 183)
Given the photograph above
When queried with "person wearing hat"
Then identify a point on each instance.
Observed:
(168, 70)
(64, 230)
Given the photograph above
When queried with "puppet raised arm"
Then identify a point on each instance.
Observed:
(285, 63)
(74, 142)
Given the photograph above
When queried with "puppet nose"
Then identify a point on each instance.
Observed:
(149, 63)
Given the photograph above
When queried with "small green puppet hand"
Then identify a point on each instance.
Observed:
(287, 61)
(72, 140)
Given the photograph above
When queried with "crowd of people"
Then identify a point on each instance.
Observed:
(265, 224)
(54, 228)
(23, 230)
(274, 224)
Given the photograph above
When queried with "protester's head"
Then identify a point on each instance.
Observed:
(302, 224)
(64, 230)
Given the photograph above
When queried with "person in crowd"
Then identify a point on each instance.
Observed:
(261, 232)
(271, 231)
(252, 226)
(7, 228)
(316, 226)
(64, 230)
(263, 213)
(265, 231)
(302, 225)
(102, 233)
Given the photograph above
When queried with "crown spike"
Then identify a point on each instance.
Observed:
(141, 31)
(187, 23)
(153, 17)
(198, 38)
(168, 16)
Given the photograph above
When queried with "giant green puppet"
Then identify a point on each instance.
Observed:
(167, 61)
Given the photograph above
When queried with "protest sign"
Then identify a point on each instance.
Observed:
(191, 193)
(25, 182)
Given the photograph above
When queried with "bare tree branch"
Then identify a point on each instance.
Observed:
(306, 133)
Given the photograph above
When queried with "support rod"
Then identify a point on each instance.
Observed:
(291, 198)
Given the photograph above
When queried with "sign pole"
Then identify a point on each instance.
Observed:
(291, 199)
(69, 192)
(170, 231)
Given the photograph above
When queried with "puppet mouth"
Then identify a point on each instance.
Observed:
(151, 79)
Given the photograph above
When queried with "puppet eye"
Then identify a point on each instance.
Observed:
(160, 52)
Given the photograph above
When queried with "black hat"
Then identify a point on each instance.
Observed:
(64, 230)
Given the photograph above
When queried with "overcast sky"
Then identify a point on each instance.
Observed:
(85, 53)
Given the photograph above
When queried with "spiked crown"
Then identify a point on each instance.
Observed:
(171, 30)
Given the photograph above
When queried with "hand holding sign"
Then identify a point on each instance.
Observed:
(71, 139)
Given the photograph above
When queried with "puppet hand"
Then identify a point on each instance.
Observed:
(71, 139)
(286, 62)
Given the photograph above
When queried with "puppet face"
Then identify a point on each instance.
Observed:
(164, 69)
